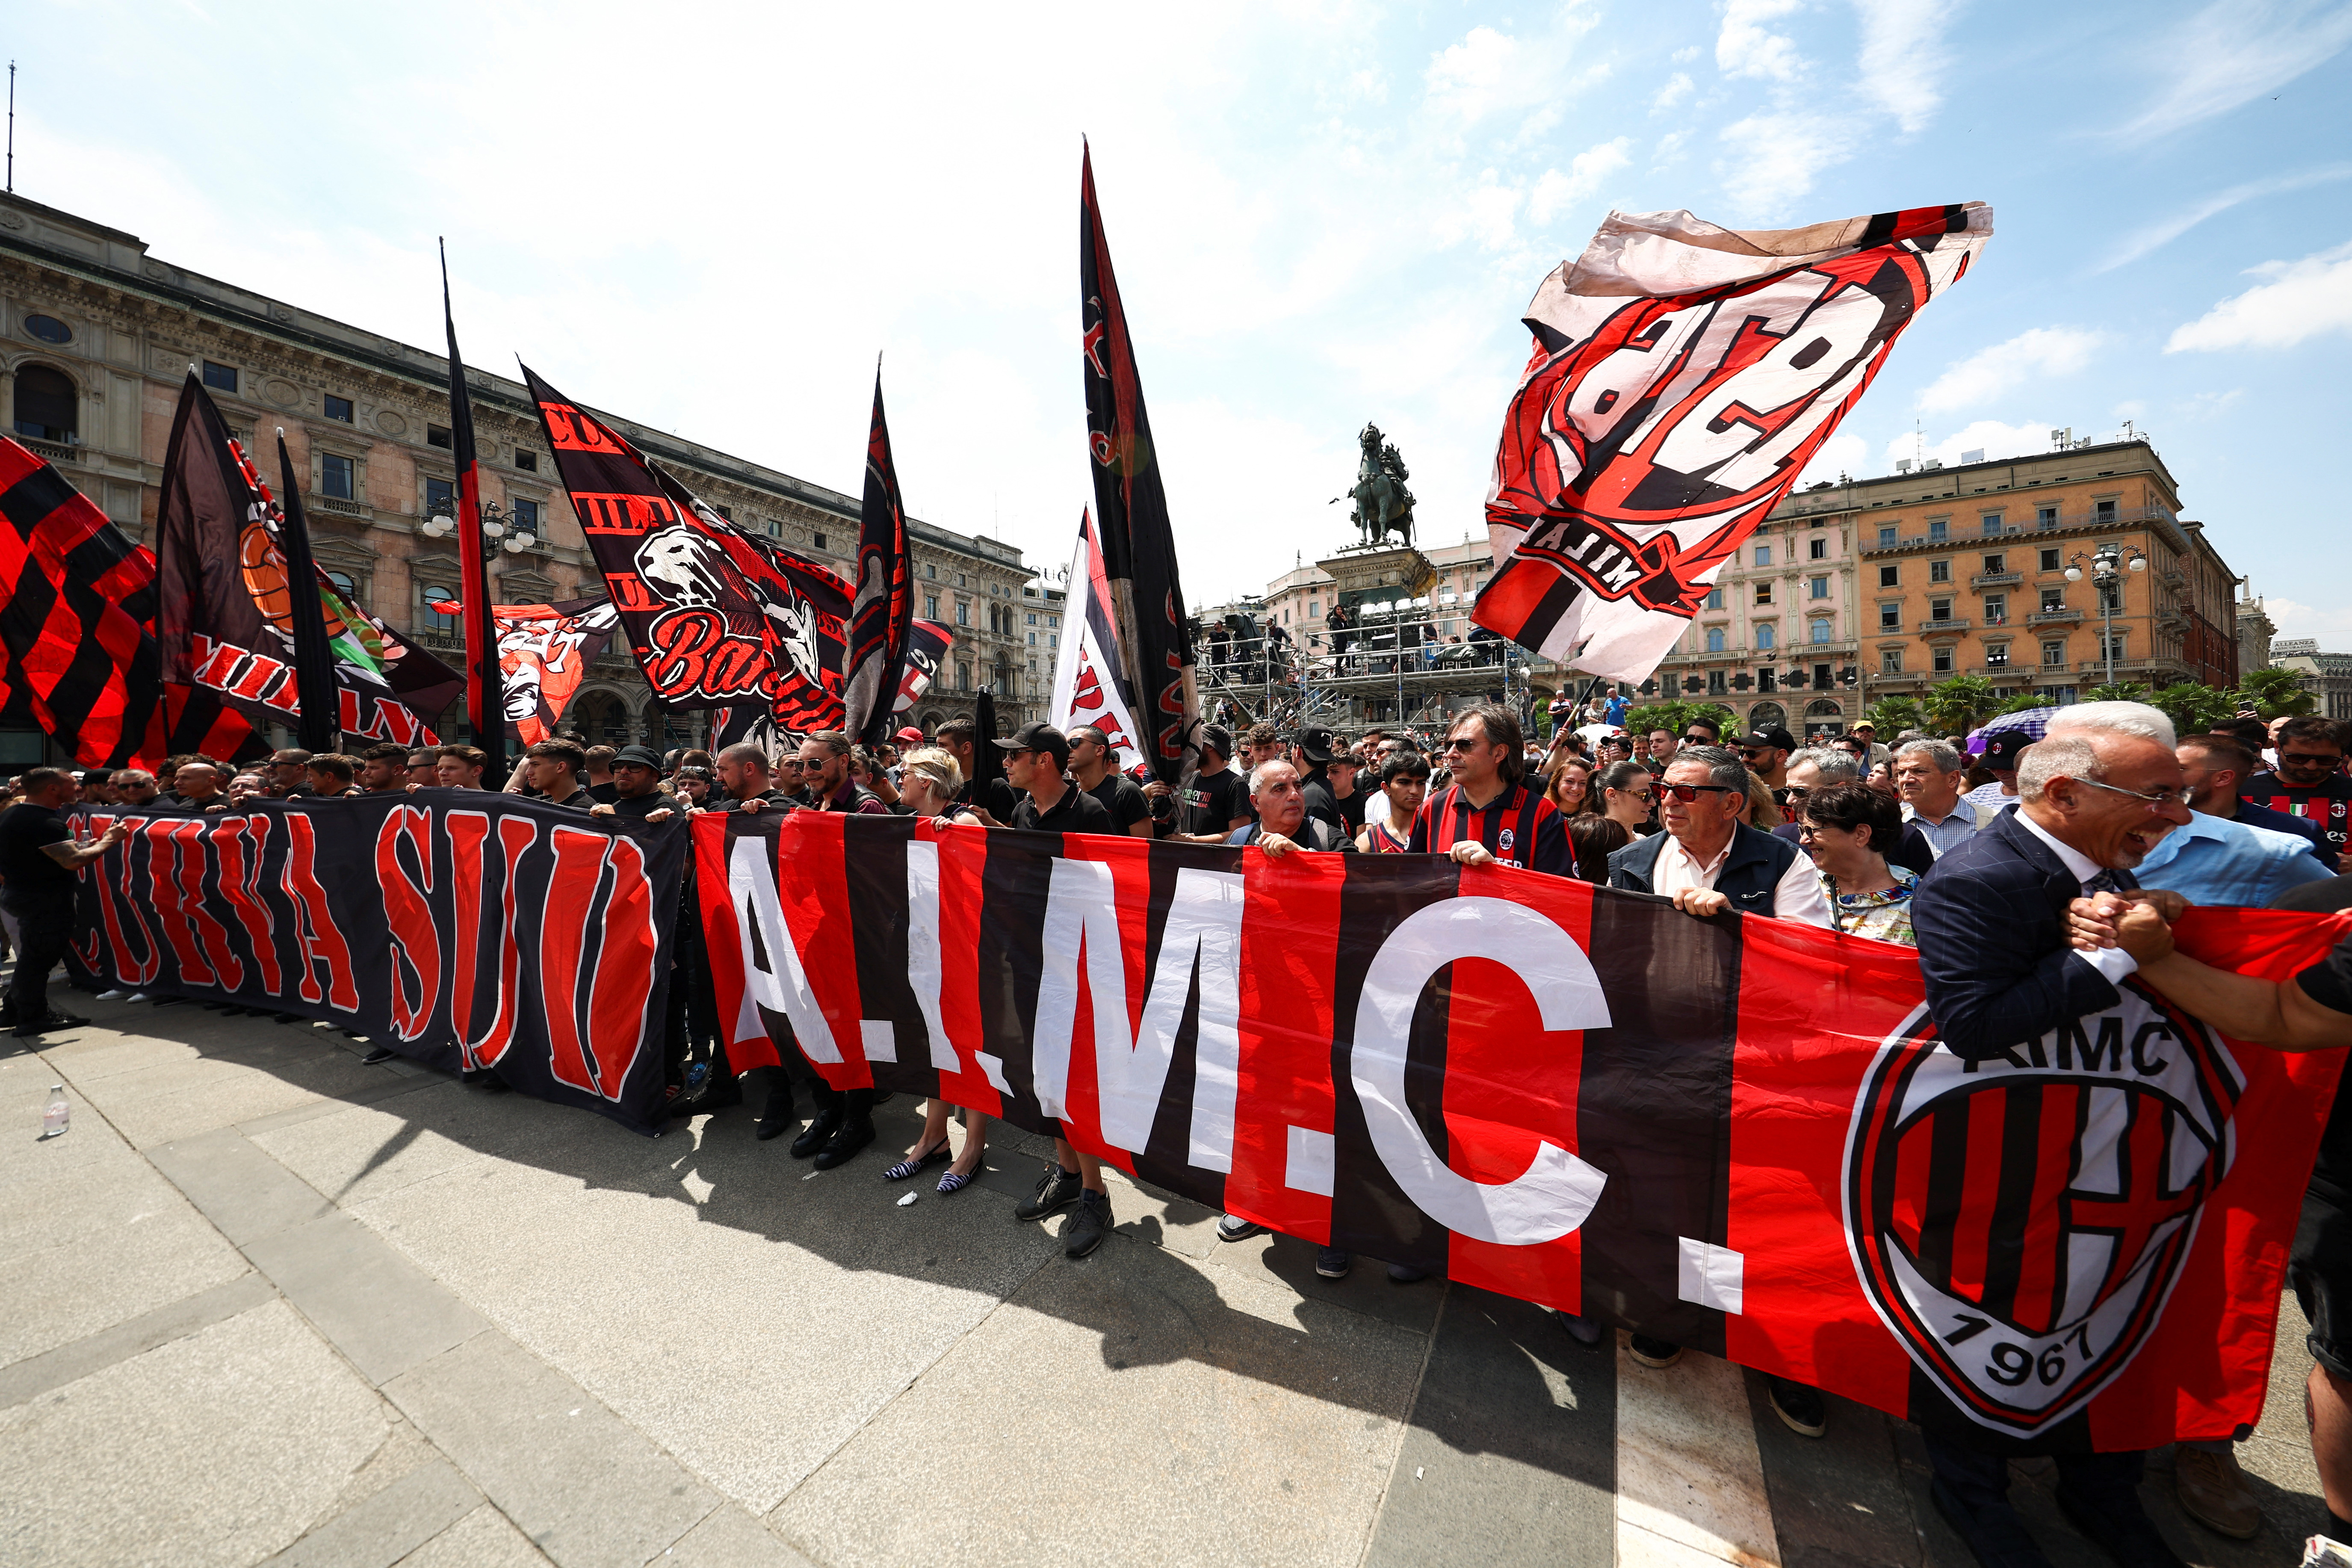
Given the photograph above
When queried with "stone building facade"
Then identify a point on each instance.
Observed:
(2326, 676)
(97, 336)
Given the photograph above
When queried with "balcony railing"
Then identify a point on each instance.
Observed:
(52, 451)
(1996, 579)
(1948, 624)
(2061, 617)
(2093, 519)
(342, 508)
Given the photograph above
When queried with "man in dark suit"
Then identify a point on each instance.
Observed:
(1994, 951)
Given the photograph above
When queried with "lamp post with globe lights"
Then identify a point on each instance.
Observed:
(2107, 565)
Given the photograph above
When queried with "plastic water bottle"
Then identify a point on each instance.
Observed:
(60, 1112)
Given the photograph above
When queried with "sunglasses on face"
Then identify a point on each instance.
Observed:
(1687, 794)
(2300, 760)
(1460, 744)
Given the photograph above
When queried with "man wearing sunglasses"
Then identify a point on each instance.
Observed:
(2095, 797)
(2309, 780)
(1766, 753)
(1488, 814)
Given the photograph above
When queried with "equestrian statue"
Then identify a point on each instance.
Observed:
(1384, 506)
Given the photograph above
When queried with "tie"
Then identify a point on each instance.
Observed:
(2104, 882)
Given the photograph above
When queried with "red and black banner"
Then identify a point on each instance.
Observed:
(313, 651)
(1737, 1134)
(544, 652)
(1132, 502)
(484, 704)
(77, 647)
(461, 928)
(927, 650)
(883, 615)
(716, 617)
(1682, 377)
(227, 599)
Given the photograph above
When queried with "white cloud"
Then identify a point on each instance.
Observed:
(1687, 54)
(2234, 50)
(1678, 87)
(2165, 230)
(2302, 299)
(1984, 375)
(1843, 453)
(1556, 191)
(1996, 440)
(1490, 209)
(1773, 158)
(1468, 79)
(1745, 47)
(2296, 619)
(1491, 73)
(1902, 55)
(2210, 405)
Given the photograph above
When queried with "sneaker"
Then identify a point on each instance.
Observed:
(115, 994)
(376, 1058)
(1653, 1353)
(1232, 1227)
(1087, 1225)
(818, 1133)
(55, 1020)
(2213, 1491)
(138, 996)
(1056, 1189)
(844, 1145)
(1799, 1406)
(1332, 1263)
(1406, 1274)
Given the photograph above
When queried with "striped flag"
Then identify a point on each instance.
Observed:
(882, 617)
(1089, 677)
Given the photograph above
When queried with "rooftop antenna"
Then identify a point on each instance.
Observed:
(12, 127)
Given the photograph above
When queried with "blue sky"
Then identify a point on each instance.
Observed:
(1320, 215)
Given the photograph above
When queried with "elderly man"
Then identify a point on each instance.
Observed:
(1816, 767)
(135, 786)
(38, 861)
(1928, 778)
(1488, 813)
(1283, 823)
(1994, 953)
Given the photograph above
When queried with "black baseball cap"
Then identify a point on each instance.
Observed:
(637, 756)
(1314, 745)
(1217, 737)
(1771, 735)
(1038, 737)
(2002, 747)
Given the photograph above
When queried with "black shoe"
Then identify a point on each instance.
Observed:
(1332, 1262)
(53, 1021)
(1994, 1535)
(844, 1145)
(1232, 1227)
(493, 1084)
(817, 1135)
(1087, 1225)
(1653, 1353)
(776, 1128)
(1800, 1407)
(1056, 1189)
(2115, 1522)
(378, 1055)
(286, 1017)
(1406, 1274)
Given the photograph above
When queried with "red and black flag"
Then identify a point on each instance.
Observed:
(314, 657)
(1139, 550)
(228, 602)
(1739, 1134)
(1683, 376)
(716, 618)
(883, 614)
(77, 646)
(485, 708)
(927, 650)
(544, 652)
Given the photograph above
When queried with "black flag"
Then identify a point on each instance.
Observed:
(318, 721)
(882, 617)
(1139, 551)
(485, 700)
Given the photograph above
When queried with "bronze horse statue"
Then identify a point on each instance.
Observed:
(1384, 506)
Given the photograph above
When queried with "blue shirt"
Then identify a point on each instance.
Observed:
(1615, 710)
(2214, 860)
(1949, 834)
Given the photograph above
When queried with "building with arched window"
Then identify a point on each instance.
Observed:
(97, 336)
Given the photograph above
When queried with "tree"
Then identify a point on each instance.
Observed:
(2121, 691)
(1957, 705)
(2193, 708)
(1673, 716)
(2023, 702)
(2277, 693)
(1893, 715)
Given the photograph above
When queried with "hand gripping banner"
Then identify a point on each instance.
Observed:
(1682, 378)
(463, 929)
(1737, 1134)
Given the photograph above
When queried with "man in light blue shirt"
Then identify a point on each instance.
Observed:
(1927, 775)
(2214, 860)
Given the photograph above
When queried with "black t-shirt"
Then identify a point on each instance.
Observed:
(1321, 804)
(1351, 810)
(1123, 798)
(995, 797)
(2326, 806)
(578, 800)
(1210, 802)
(24, 828)
(1075, 812)
(645, 805)
(606, 794)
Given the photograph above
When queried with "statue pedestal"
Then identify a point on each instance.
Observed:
(1379, 572)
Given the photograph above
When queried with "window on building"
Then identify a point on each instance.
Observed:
(1818, 588)
(2053, 599)
(818, 539)
(220, 377)
(440, 498)
(1940, 661)
(1033, 639)
(47, 405)
(1763, 592)
(1313, 607)
(525, 512)
(1817, 549)
(1890, 577)
(964, 675)
(932, 572)
(1989, 524)
(339, 408)
(930, 606)
(1716, 686)
(1818, 631)
(1715, 639)
(1890, 616)
(963, 612)
(1940, 529)
(1054, 621)
(1939, 609)
(960, 581)
(1033, 618)
(1996, 608)
(2046, 517)
(1768, 679)
(437, 436)
(1996, 655)
(1996, 564)
(2113, 646)
(1763, 556)
(1890, 661)
(2102, 511)
(345, 586)
(441, 611)
(1766, 635)
(1715, 599)
(1940, 571)
(2049, 561)
(48, 330)
(2053, 655)
(529, 463)
(1887, 538)
(335, 476)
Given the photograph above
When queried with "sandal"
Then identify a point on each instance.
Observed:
(916, 1162)
(956, 1181)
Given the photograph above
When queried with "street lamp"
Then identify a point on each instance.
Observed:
(2107, 565)
(499, 531)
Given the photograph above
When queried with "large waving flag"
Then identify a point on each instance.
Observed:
(1146, 601)
(484, 705)
(883, 614)
(1683, 376)
(1089, 676)
(319, 721)
(544, 652)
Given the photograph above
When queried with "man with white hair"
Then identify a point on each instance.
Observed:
(2095, 797)
(1928, 777)
(1818, 767)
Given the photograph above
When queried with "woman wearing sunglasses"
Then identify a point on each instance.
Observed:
(1847, 829)
(1623, 793)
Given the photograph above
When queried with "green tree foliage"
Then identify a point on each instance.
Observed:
(2193, 708)
(2277, 694)
(2119, 692)
(2025, 702)
(1893, 715)
(1957, 705)
(1672, 715)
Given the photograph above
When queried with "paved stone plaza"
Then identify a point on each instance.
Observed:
(265, 1304)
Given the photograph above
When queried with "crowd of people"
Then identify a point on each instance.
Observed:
(2032, 879)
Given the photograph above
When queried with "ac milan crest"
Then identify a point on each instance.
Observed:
(2020, 1223)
